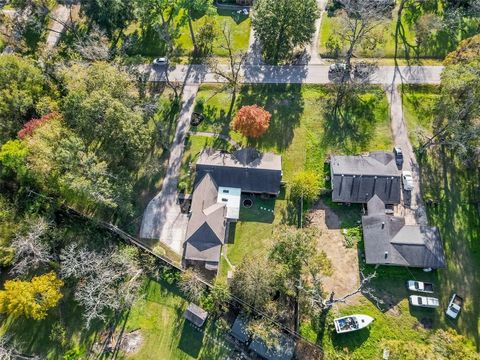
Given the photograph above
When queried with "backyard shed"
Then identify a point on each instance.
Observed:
(196, 315)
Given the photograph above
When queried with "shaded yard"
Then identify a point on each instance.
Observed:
(150, 45)
(437, 46)
(302, 133)
(166, 334)
(418, 103)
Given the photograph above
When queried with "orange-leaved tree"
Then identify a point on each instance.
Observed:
(252, 121)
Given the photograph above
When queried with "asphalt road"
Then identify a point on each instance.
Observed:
(297, 74)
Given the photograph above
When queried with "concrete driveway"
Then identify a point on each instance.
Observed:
(411, 206)
(162, 218)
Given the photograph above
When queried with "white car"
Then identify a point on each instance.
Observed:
(424, 301)
(454, 306)
(160, 61)
(407, 180)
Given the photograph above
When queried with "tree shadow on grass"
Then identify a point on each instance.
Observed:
(191, 340)
(238, 18)
(457, 216)
(353, 131)
(286, 104)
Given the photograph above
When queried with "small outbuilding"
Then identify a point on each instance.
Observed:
(239, 330)
(196, 315)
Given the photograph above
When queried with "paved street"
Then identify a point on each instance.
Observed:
(309, 74)
(412, 206)
(162, 218)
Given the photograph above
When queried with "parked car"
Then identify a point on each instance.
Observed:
(420, 286)
(424, 301)
(454, 306)
(407, 180)
(397, 150)
(339, 70)
(160, 61)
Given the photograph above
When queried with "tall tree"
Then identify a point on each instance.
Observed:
(252, 121)
(358, 19)
(22, 87)
(109, 15)
(31, 299)
(282, 25)
(232, 76)
(102, 107)
(195, 9)
(106, 281)
(253, 281)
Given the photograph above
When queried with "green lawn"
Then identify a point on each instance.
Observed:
(304, 136)
(457, 215)
(437, 47)
(239, 26)
(418, 103)
(167, 335)
(150, 45)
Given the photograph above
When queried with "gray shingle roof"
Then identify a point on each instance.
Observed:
(246, 169)
(389, 241)
(206, 226)
(355, 179)
(239, 330)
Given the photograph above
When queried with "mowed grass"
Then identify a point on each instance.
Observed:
(303, 133)
(166, 334)
(419, 102)
(457, 215)
(402, 35)
(150, 45)
(238, 25)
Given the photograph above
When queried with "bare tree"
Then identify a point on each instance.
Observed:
(358, 20)
(6, 351)
(106, 281)
(31, 252)
(318, 301)
(231, 75)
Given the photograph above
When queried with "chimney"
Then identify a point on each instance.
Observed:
(386, 254)
(383, 224)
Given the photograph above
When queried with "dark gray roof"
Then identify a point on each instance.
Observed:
(239, 330)
(206, 226)
(356, 179)
(246, 169)
(389, 241)
(195, 315)
(284, 350)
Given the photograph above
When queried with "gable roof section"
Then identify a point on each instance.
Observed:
(246, 169)
(389, 241)
(356, 179)
(283, 351)
(206, 227)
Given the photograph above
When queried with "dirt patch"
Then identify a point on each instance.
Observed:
(345, 278)
(131, 342)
